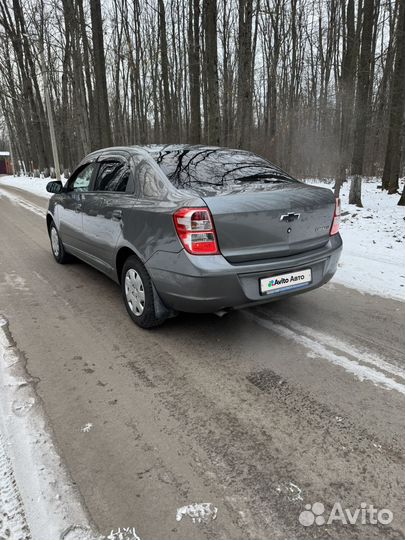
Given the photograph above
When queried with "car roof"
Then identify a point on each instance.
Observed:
(157, 148)
(154, 149)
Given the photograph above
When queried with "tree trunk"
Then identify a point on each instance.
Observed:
(347, 97)
(168, 118)
(401, 201)
(383, 93)
(194, 70)
(211, 66)
(355, 191)
(397, 109)
(362, 103)
(102, 116)
(244, 102)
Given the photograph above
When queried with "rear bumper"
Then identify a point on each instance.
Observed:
(204, 284)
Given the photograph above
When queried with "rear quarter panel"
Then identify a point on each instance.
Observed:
(148, 226)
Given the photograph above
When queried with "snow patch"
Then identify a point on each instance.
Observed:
(198, 512)
(14, 281)
(124, 533)
(38, 492)
(13, 523)
(36, 186)
(86, 428)
(291, 491)
(321, 350)
(333, 342)
(373, 257)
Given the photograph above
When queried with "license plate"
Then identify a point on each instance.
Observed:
(291, 280)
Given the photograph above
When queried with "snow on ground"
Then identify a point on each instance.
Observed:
(37, 186)
(13, 523)
(38, 499)
(373, 258)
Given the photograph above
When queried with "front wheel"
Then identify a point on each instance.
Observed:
(56, 244)
(138, 295)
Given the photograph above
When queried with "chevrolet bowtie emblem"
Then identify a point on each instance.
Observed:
(289, 217)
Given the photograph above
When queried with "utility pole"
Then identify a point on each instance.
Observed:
(49, 113)
(11, 153)
(47, 103)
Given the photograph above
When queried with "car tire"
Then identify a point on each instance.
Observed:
(57, 247)
(139, 294)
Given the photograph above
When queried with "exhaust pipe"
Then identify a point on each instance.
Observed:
(220, 313)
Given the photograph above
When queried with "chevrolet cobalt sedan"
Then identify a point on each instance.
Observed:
(194, 228)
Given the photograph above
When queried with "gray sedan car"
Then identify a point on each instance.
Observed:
(194, 228)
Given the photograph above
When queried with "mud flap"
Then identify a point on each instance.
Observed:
(161, 309)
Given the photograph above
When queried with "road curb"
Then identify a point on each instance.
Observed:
(44, 502)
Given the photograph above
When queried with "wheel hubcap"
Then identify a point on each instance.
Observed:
(134, 292)
(55, 241)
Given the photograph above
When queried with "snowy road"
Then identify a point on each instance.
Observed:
(258, 413)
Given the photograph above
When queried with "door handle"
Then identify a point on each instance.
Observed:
(116, 215)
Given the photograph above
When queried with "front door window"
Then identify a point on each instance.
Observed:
(82, 181)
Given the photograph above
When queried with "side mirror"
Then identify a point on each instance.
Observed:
(54, 187)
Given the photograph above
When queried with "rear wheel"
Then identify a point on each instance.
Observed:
(138, 295)
(56, 244)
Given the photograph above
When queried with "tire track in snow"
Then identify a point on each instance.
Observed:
(335, 343)
(336, 352)
(23, 202)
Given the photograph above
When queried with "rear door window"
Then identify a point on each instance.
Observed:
(112, 176)
(151, 182)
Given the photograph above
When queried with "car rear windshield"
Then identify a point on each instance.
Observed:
(198, 166)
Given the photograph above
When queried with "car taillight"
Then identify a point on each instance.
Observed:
(196, 231)
(336, 219)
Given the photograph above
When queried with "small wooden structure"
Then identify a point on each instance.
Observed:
(6, 166)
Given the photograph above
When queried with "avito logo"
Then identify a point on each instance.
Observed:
(276, 281)
(366, 514)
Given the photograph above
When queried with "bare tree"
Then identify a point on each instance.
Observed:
(245, 60)
(296, 81)
(362, 103)
(346, 92)
(211, 71)
(397, 109)
(194, 70)
(101, 132)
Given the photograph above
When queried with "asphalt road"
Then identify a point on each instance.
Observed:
(258, 413)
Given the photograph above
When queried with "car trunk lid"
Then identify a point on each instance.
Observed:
(281, 220)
